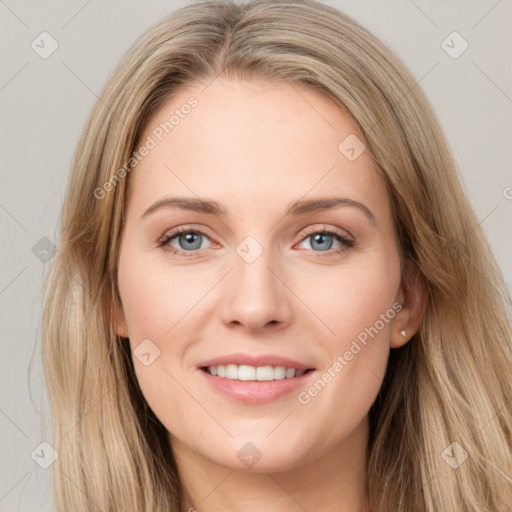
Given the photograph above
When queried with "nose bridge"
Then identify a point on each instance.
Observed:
(252, 266)
(255, 296)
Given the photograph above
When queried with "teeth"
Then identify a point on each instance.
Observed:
(279, 373)
(231, 371)
(259, 373)
(246, 372)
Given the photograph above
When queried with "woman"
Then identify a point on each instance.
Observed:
(271, 291)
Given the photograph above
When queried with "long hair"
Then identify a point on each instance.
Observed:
(447, 391)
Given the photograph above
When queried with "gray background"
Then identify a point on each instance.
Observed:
(44, 103)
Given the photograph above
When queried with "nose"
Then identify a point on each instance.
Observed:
(256, 295)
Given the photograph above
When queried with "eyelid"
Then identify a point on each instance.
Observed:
(173, 232)
(346, 242)
(315, 228)
(346, 239)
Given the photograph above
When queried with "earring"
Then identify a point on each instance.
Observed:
(402, 332)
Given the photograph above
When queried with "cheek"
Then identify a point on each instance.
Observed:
(355, 297)
(155, 304)
(155, 297)
(160, 304)
(356, 305)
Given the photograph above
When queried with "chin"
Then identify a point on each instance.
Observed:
(259, 456)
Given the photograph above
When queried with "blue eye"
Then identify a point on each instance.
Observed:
(322, 241)
(190, 240)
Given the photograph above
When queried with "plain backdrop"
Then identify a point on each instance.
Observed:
(44, 103)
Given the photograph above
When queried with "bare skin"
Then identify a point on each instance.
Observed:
(256, 147)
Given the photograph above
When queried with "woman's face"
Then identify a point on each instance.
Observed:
(251, 281)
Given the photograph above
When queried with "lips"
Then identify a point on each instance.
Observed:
(255, 379)
(255, 361)
(261, 368)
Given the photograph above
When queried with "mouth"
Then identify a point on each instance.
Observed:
(254, 379)
(245, 372)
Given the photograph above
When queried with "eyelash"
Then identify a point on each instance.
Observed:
(346, 242)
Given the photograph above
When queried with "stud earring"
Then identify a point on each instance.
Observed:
(402, 332)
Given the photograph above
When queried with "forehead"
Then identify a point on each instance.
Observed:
(252, 142)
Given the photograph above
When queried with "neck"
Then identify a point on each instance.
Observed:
(335, 481)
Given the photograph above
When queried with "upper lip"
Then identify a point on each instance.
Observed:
(260, 360)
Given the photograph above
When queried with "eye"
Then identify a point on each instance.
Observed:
(188, 241)
(185, 241)
(321, 240)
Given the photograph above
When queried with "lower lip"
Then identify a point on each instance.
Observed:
(256, 392)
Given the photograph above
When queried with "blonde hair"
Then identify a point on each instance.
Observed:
(450, 383)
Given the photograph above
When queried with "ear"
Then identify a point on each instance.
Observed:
(412, 294)
(115, 311)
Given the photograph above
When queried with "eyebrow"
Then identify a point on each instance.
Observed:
(299, 207)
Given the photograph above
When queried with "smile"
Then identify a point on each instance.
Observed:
(246, 372)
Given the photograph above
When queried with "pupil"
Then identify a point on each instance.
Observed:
(192, 240)
(318, 238)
